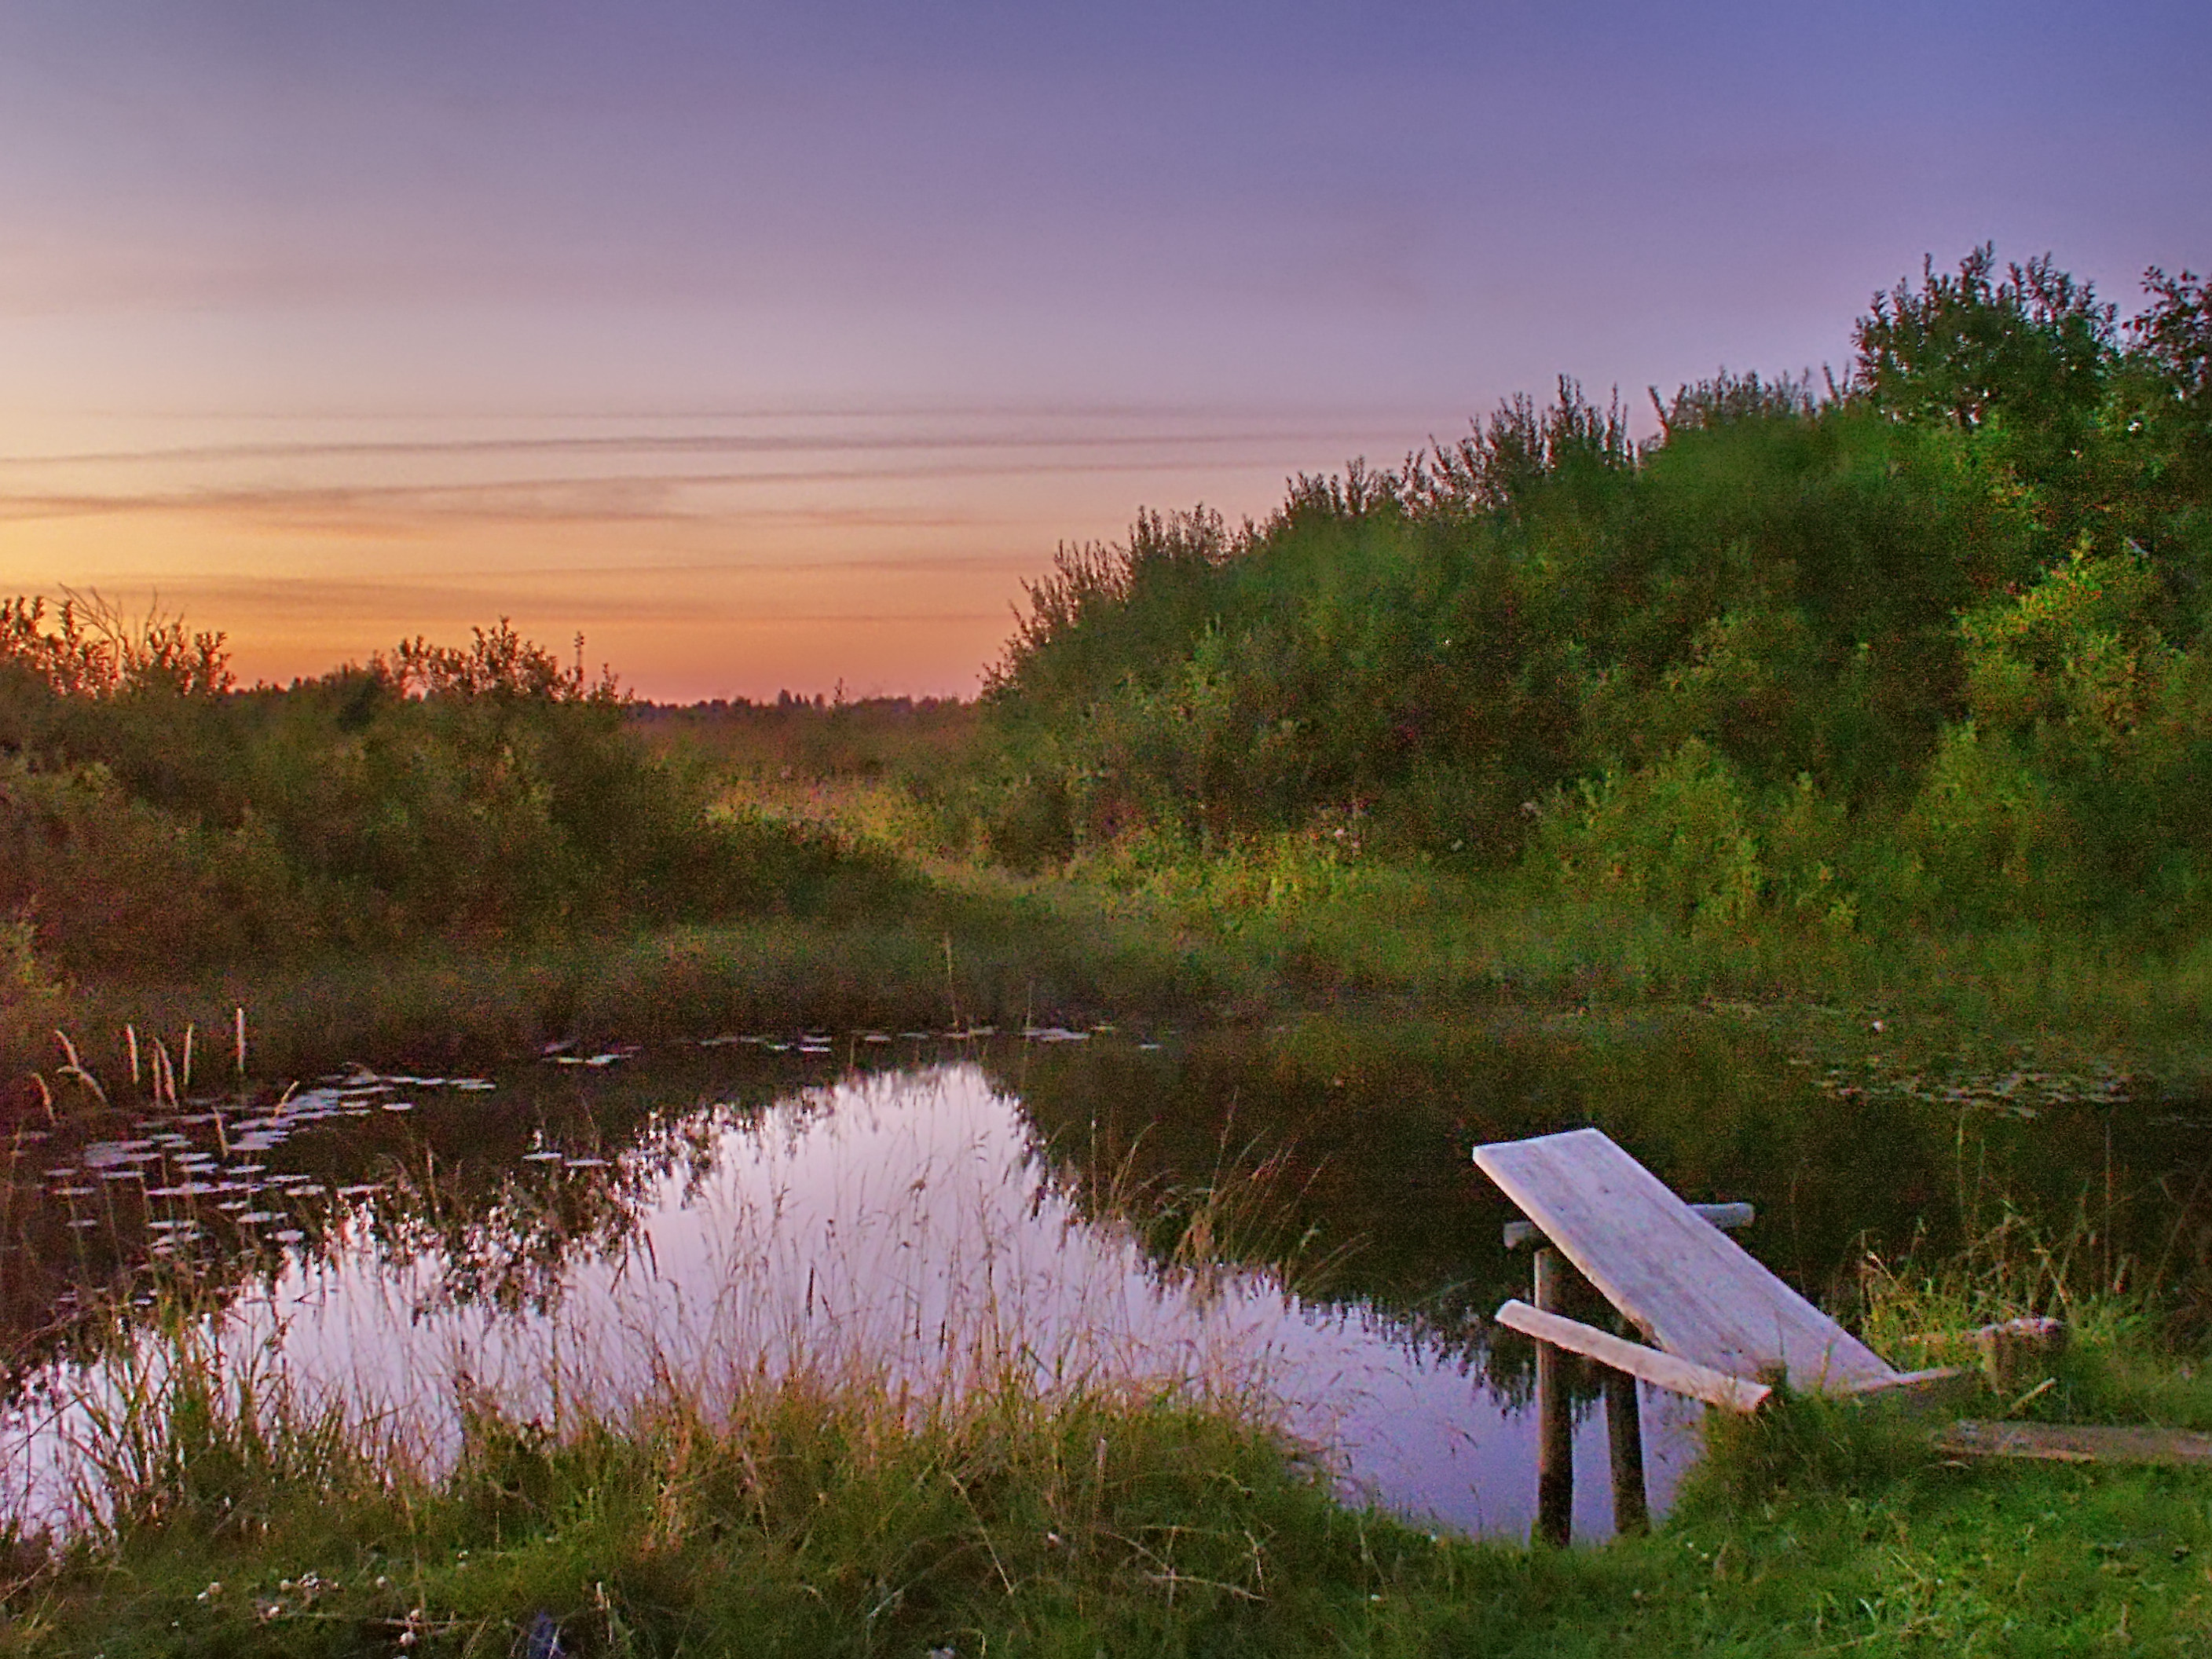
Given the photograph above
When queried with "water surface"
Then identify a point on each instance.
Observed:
(1286, 1216)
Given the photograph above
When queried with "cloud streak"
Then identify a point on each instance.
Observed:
(698, 443)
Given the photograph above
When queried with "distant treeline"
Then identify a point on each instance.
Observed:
(1925, 643)
(797, 738)
(788, 703)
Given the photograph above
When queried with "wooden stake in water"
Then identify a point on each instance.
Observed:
(239, 1030)
(1624, 1435)
(1555, 1418)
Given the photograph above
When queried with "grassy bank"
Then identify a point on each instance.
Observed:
(1268, 928)
(823, 1516)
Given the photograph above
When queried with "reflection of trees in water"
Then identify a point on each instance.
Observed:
(1343, 1143)
(456, 1190)
(505, 1232)
(1332, 1152)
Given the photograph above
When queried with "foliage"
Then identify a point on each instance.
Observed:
(153, 815)
(1923, 649)
(827, 1516)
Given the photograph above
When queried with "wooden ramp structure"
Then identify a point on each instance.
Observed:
(1723, 1330)
(1718, 1327)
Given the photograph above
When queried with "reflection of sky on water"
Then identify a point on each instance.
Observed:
(901, 1226)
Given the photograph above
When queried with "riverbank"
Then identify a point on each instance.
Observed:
(823, 1520)
(825, 1517)
(814, 1522)
(1268, 931)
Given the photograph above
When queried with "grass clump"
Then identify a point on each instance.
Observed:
(1832, 1526)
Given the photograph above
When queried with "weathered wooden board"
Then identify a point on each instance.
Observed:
(2076, 1443)
(1939, 1382)
(1679, 1279)
(1654, 1365)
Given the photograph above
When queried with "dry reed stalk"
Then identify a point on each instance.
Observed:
(131, 1039)
(239, 1032)
(188, 1054)
(74, 1068)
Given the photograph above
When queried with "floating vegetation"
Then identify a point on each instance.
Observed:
(2015, 1092)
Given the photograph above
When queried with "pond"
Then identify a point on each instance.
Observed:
(1284, 1215)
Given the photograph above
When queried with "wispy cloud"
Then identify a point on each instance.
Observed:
(704, 553)
(1071, 445)
(601, 498)
(838, 478)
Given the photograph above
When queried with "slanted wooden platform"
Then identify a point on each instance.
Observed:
(1725, 1329)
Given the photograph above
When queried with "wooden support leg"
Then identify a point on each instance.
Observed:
(1555, 1418)
(1624, 1433)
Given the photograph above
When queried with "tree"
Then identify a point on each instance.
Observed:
(2030, 346)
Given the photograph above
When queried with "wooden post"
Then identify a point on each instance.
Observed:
(1624, 1434)
(1555, 1418)
(2019, 1352)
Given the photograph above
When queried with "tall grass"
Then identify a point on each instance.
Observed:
(810, 1511)
(823, 1509)
(834, 1459)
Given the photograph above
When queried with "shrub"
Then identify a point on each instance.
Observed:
(1676, 838)
(153, 816)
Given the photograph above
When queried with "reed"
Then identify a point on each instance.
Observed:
(822, 1513)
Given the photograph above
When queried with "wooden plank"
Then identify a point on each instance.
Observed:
(1728, 1216)
(1685, 1284)
(1922, 1393)
(1662, 1370)
(1938, 1379)
(2076, 1443)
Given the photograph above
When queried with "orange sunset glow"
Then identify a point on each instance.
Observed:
(704, 557)
(775, 348)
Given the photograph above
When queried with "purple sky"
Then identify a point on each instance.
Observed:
(771, 346)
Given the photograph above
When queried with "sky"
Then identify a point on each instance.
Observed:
(773, 345)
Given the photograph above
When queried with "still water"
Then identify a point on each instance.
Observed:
(1284, 1215)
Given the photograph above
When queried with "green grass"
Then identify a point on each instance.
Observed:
(1276, 927)
(820, 1516)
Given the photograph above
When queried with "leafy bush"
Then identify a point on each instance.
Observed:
(1676, 838)
(152, 815)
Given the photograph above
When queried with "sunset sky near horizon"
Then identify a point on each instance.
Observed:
(772, 345)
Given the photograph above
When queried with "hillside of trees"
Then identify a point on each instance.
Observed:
(1924, 644)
